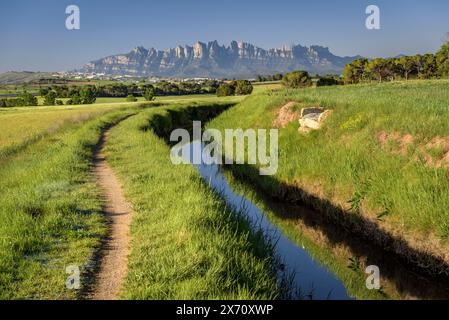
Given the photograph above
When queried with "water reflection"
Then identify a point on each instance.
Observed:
(313, 280)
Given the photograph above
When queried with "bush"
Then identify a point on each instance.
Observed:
(50, 98)
(149, 94)
(59, 102)
(226, 89)
(243, 87)
(131, 98)
(297, 79)
(88, 95)
(26, 99)
(328, 81)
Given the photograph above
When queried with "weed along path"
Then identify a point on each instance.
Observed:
(114, 261)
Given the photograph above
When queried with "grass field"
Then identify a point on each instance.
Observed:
(371, 158)
(399, 182)
(50, 208)
(50, 214)
(24, 125)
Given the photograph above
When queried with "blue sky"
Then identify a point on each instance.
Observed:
(33, 34)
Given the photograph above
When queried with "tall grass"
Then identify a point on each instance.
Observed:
(345, 162)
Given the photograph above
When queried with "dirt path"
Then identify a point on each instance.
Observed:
(114, 261)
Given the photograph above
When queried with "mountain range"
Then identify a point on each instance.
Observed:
(237, 60)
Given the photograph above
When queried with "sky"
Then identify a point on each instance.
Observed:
(33, 35)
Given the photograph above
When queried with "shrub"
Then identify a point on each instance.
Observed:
(149, 94)
(226, 89)
(50, 98)
(328, 81)
(131, 98)
(297, 79)
(88, 95)
(27, 99)
(243, 87)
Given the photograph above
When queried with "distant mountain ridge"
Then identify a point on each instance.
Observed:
(238, 59)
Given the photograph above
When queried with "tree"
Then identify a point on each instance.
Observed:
(88, 95)
(50, 98)
(28, 99)
(131, 98)
(379, 69)
(243, 87)
(406, 66)
(442, 60)
(149, 93)
(43, 92)
(328, 81)
(349, 74)
(74, 98)
(426, 65)
(226, 89)
(297, 79)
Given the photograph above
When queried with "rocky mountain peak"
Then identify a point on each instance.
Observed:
(238, 59)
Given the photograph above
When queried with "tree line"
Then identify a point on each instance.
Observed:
(87, 94)
(235, 88)
(427, 66)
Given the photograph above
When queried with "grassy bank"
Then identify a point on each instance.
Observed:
(379, 158)
(50, 211)
(185, 243)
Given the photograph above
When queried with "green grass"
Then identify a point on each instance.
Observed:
(346, 164)
(50, 211)
(25, 125)
(185, 243)
(346, 155)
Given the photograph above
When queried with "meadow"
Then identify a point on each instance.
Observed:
(380, 157)
(24, 125)
(185, 240)
(50, 211)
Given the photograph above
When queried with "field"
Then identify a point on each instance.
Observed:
(51, 210)
(376, 170)
(381, 157)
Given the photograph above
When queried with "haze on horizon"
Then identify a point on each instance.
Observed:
(34, 36)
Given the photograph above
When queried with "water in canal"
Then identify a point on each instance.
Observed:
(311, 280)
